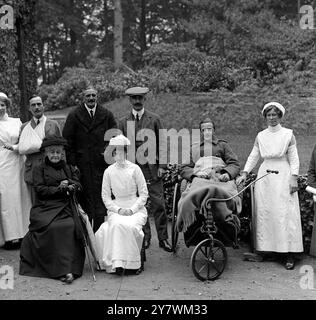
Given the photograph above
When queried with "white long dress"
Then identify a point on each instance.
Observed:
(15, 197)
(119, 239)
(277, 221)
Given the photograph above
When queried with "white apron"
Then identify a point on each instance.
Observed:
(277, 213)
(15, 197)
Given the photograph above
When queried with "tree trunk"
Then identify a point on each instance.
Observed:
(42, 61)
(73, 40)
(105, 22)
(22, 75)
(48, 63)
(118, 34)
(143, 45)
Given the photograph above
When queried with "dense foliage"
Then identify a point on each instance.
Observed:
(14, 81)
(262, 35)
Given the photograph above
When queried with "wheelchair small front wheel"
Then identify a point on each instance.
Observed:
(208, 259)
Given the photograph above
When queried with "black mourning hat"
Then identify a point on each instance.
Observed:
(53, 141)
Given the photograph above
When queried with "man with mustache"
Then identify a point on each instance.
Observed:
(32, 134)
(84, 130)
(153, 172)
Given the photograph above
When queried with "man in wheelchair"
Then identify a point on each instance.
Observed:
(210, 174)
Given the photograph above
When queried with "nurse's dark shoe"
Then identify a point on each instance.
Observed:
(289, 263)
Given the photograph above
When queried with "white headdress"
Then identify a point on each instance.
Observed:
(3, 95)
(119, 140)
(275, 104)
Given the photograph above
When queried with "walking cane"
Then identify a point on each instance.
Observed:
(86, 245)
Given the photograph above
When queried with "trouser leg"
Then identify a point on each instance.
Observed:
(157, 206)
(147, 230)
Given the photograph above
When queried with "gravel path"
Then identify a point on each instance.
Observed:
(168, 276)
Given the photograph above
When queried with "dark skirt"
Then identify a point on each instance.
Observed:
(54, 250)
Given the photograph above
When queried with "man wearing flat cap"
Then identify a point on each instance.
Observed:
(84, 130)
(144, 119)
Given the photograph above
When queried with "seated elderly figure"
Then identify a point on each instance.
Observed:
(53, 247)
(211, 173)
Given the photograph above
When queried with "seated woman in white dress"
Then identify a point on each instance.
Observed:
(119, 239)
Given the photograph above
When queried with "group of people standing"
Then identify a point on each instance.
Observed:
(41, 168)
(47, 160)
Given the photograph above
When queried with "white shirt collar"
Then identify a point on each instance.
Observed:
(140, 113)
(40, 119)
(93, 109)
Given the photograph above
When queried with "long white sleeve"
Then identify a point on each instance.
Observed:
(106, 193)
(294, 160)
(253, 158)
(142, 190)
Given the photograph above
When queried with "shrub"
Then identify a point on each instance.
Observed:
(110, 85)
(202, 76)
(163, 55)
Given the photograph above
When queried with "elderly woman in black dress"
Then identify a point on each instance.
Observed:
(53, 247)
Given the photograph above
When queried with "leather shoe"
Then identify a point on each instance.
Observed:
(69, 278)
(146, 243)
(289, 264)
(119, 271)
(139, 271)
(164, 244)
(12, 245)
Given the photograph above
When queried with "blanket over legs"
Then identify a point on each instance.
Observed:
(195, 197)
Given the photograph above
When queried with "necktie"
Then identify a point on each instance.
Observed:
(137, 117)
(37, 122)
(91, 114)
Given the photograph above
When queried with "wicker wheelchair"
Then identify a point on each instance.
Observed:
(210, 238)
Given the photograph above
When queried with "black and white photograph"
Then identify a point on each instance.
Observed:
(157, 155)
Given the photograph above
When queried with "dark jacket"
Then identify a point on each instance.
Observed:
(152, 121)
(86, 142)
(35, 159)
(50, 200)
(220, 149)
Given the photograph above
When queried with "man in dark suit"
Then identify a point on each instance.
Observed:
(152, 170)
(43, 127)
(84, 130)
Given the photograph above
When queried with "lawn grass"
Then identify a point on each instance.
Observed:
(242, 146)
(178, 111)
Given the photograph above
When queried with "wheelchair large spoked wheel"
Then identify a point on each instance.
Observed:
(174, 231)
(208, 260)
